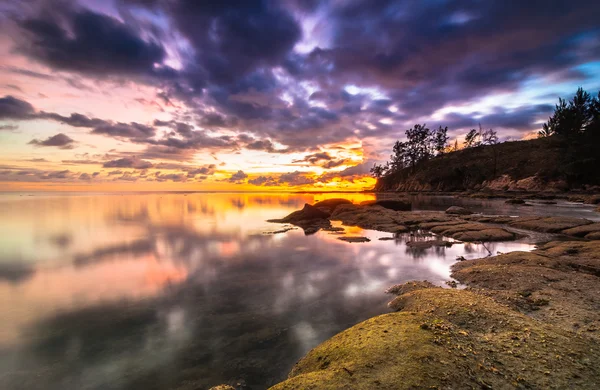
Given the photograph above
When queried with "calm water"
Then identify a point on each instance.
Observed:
(161, 291)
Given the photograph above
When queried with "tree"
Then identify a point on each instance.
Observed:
(379, 170)
(440, 139)
(488, 137)
(573, 118)
(472, 139)
(421, 144)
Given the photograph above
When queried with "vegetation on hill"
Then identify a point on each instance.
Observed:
(565, 156)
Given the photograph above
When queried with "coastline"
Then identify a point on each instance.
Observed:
(523, 320)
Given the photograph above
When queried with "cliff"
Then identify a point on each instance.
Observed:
(544, 164)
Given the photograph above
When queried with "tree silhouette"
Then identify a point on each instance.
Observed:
(579, 115)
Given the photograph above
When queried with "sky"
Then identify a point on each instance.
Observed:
(259, 95)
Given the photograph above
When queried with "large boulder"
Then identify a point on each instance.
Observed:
(457, 210)
(331, 204)
(308, 213)
(311, 219)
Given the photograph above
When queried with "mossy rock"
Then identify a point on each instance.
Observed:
(449, 339)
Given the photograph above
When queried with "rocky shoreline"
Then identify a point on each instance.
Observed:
(394, 216)
(525, 319)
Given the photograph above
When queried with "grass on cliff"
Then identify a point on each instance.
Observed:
(465, 169)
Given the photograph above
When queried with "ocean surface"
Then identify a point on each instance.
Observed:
(190, 290)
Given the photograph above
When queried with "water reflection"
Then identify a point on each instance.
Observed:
(184, 291)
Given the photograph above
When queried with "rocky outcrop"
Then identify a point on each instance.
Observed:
(310, 218)
(455, 223)
(331, 204)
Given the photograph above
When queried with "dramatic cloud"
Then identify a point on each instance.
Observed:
(88, 42)
(59, 140)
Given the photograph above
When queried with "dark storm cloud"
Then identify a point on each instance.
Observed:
(13, 108)
(87, 42)
(231, 37)
(59, 140)
(239, 70)
(430, 54)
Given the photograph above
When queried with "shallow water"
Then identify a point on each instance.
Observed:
(159, 291)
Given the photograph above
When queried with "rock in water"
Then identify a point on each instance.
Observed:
(310, 218)
(515, 201)
(308, 213)
(331, 204)
(457, 210)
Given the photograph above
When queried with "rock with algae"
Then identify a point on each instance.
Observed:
(449, 339)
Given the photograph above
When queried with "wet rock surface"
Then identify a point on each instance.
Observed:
(457, 223)
(558, 283)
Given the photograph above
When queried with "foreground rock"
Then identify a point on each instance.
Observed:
(557, 284)
(449, 339)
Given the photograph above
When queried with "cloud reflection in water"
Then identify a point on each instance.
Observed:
(184, 291)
